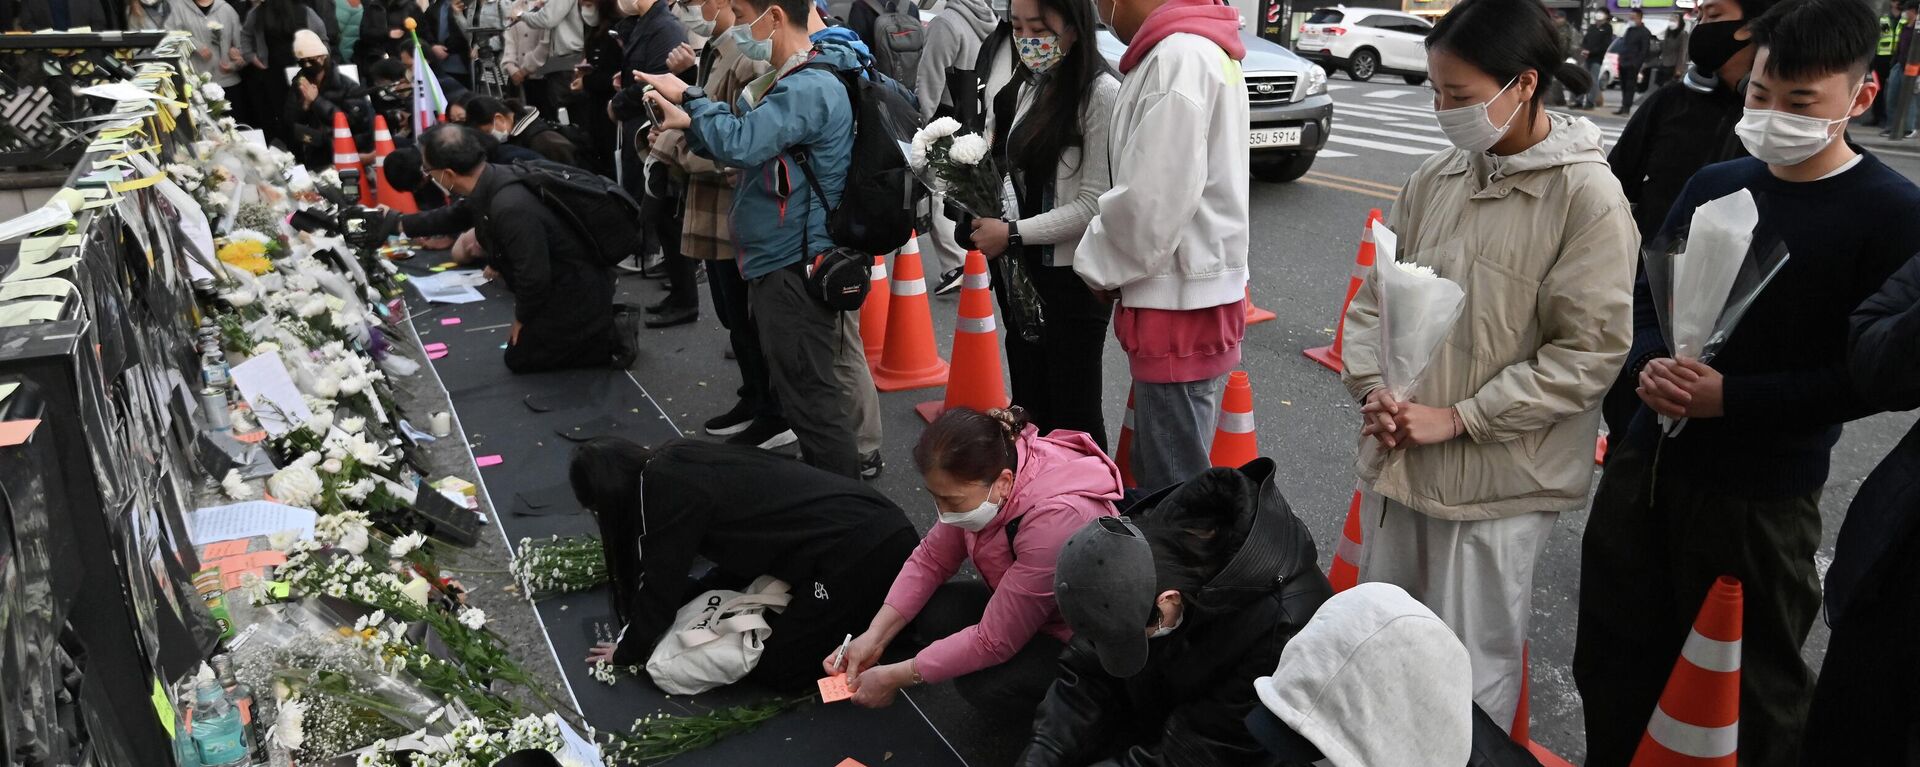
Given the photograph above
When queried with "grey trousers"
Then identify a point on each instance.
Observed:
(803, 340)
(1173, 427)
(850, 369)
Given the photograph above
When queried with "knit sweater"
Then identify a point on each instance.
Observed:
(1786, 389)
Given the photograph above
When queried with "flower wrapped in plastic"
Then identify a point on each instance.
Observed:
(1418, 308)
(961, 167)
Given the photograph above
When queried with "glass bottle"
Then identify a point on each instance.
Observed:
(217, 732)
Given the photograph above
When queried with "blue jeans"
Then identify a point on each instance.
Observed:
(1593, 94)
(1173, 427)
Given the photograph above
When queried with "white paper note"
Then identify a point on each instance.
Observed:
(43, 269)
(447, 288)
(264, 382)
(246, 520)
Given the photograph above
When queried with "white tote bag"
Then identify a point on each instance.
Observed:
(717, 638)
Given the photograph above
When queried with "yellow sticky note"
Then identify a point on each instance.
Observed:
(163, 706)
(279, 589)
(138, 183)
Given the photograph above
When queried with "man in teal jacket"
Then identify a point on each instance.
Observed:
(778, 223)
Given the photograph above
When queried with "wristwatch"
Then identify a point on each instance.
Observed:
(691, 93)
(1013, 234)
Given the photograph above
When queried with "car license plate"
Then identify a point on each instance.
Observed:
(1273, 137)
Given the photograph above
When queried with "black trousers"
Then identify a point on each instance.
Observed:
(1864, 708)
(1058, 379)
(562, 344)
(1882, 66)
(800, 338)
(661, 217)
(729, 292)
(1629, 85)
(841, 602)
(1651, 552)
(1008, 692)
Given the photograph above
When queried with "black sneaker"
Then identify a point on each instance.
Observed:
(673, 317)
(626, 331)
(765, 434)
(871, 465)
(949, 281)
(731, 422)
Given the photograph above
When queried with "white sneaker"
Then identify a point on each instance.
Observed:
(631, 265)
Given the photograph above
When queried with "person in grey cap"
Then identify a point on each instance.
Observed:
(1175, 610)
(1377, 680)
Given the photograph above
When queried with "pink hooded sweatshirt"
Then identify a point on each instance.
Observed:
(1063, 482)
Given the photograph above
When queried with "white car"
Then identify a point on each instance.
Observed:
(1366, 42)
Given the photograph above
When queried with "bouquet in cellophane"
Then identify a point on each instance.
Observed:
(1706, 276)
(1418, 308)
(960, 166)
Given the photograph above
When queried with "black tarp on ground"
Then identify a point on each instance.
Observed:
(520, 418)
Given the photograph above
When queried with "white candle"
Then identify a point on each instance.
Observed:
(442, 424)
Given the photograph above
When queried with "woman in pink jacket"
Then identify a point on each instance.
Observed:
(1008, 499)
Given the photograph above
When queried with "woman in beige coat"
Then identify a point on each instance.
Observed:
(1496, 438)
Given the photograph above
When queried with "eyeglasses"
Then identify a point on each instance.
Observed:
(315, 61)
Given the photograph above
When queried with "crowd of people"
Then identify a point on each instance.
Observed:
(1197, 628)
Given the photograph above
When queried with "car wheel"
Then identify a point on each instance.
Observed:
(1415, 79)
(1280, 169)
(1363, 65)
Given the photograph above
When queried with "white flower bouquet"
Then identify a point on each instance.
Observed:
(1418, 308)
(959, 166)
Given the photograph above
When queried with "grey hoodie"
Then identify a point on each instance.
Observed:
(953, 39)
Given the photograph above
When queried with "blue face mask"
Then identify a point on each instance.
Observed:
(751, 47)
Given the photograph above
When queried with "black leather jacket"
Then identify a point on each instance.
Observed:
(1187, 707)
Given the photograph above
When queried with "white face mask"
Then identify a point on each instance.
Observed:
(500, 135)
(976, 520)
(1779, 138)
(1470, 128)
(1160, 631)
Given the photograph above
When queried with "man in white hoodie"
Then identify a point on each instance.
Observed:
(1170, 242)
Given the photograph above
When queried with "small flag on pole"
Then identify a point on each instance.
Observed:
(428, 101)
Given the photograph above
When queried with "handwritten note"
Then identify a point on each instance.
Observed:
(224, 549)
(833, 689)
(246, 520)
(277, 403)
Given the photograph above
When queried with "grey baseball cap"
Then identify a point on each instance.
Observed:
(1104, 583)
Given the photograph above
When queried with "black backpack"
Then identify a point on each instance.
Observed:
(603, 213)
(876, 210)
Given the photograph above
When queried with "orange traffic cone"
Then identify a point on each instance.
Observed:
(1362, 261)
(909, 360)
(346, 156)
(1123, 450)
(1234, 443)
(394, 199)
(976, 379)
(873, 313)
(1344, 573)
(1698, 720)
(1522, 730)
(1255, 314)
(1600, 450)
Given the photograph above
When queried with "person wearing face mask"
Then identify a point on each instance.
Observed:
(833, 540)
(319, 90)
(1738, 491)
(507, 122)
(1176, 609)
(1495, 441)
(953, 42)
(1008, 498)
(1680, 128)
(1046, 100)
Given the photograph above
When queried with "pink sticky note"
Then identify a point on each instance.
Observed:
(849, 762)
(833, 689)
(15, 432)
(488, 460)
(450, 321)
(434, 347)
(223, 549)
(436, 354)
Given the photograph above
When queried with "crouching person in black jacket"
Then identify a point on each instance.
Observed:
(1176, 609)
(563, 310)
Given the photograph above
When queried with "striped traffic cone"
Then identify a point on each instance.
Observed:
(394, 199)
(909, 360)
(976, 380)
(1255, 314)
(1123, 450)
(1344, 573)
(346, 156)
(1234, 443)
(1362, 261)
(1698, 720)
(873, 313)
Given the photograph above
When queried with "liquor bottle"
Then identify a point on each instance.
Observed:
(242, 697)
(217, 732)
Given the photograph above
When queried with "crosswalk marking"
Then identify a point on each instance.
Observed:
(1403, 136)
(1388, 93)
(1335, 153)
(1380, 145)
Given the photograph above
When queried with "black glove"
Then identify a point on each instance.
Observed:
(962, 225)
(369, 227)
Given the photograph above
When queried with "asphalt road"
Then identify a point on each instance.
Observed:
(1304, 238)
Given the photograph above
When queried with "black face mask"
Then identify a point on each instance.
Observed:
(1713, 44)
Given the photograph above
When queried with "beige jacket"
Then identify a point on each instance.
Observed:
(526, 45)
(705, 231)
(1544, 247)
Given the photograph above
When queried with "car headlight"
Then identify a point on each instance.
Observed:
(1316, 82)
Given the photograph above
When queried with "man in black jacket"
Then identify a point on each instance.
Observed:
(1682, 127)
(1863, 706)
(1634, 47)
(563, 310)
(1593, 53)
(1173, 620)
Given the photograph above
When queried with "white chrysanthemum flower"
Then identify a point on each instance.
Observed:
(968, 150)
(265, 348)
(359, 490)
(407, 544)
(1420, 271)
(352, 385)
(351, 424)
(238, 297)
(284, 540)
(213, 91)
(940, 128)
(331, 466)
(289, 725)
(235, 487)
(473, 618)
(295, 485)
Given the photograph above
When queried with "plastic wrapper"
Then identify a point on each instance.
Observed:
(1705, 277)
(1418, 308)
